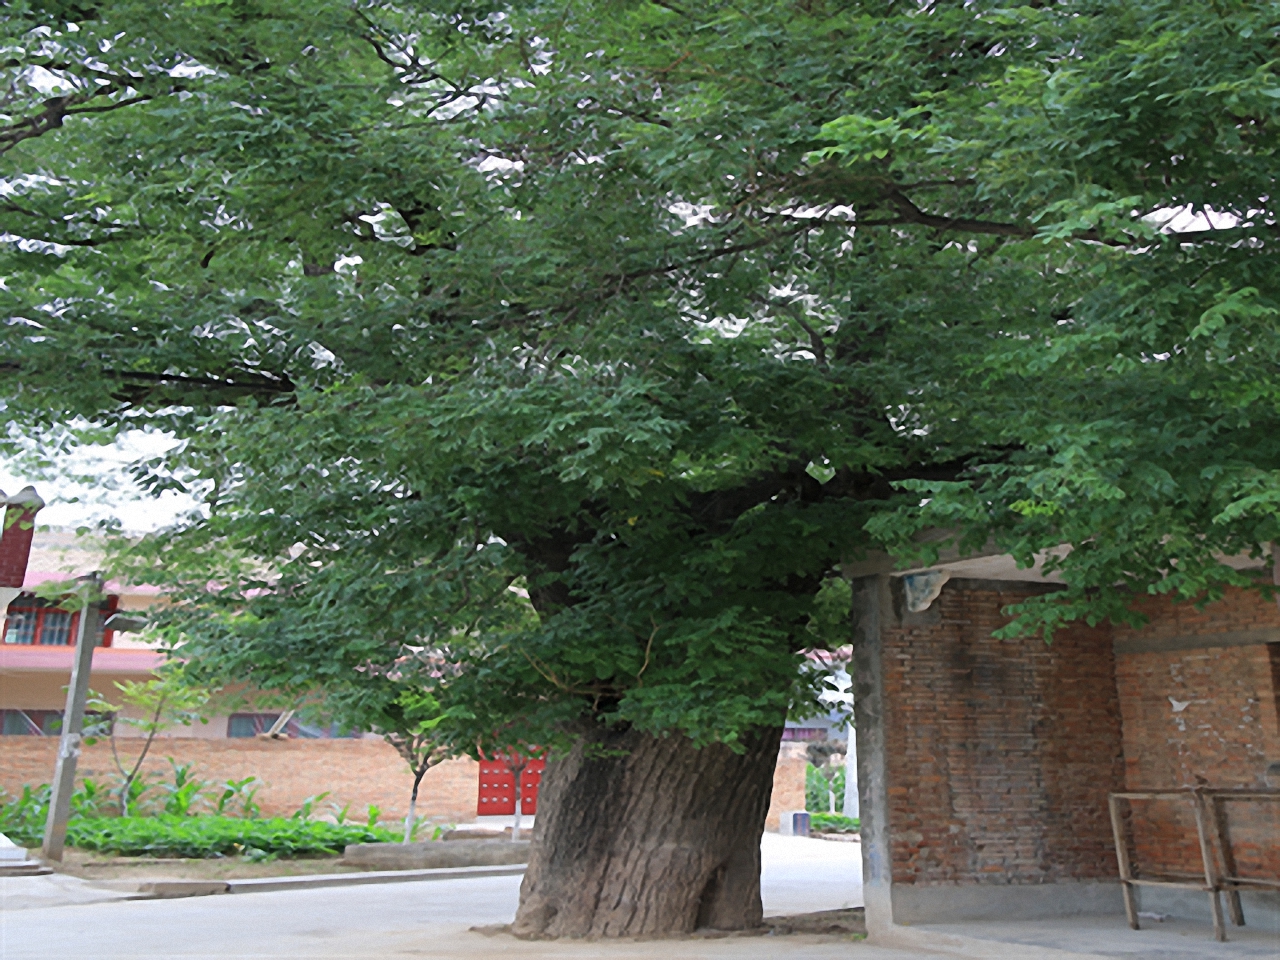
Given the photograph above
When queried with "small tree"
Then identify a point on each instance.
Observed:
(161, 702)
(408, 724)
(823, 788)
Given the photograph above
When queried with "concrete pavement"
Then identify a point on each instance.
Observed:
(426, 920)
(409, 920)
(799, 875)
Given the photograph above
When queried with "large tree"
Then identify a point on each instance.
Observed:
(652, 314)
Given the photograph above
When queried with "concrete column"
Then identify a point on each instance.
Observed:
(871, 606)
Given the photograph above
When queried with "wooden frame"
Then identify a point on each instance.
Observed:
(1220, 872)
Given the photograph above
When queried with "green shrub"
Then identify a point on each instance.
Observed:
(817, 781)
(22, 818)
(213, 836)
(833, 823)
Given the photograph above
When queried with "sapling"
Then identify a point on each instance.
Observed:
(162, 702)
(408, 725)
(517, 763)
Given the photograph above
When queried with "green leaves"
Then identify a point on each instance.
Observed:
(547, 366)
(861, 138)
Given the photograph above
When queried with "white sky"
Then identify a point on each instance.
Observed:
(72, 504)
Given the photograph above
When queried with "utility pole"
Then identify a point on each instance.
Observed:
(64, 777)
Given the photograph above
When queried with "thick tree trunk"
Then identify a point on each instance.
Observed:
(658, 840)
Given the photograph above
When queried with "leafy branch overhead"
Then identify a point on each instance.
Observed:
(578, 347)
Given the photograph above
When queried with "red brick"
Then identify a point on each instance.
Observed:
(1000, 752)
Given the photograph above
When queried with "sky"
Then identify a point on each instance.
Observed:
(72, 504)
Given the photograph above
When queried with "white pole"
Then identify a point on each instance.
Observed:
(515, 820)
(851, 806)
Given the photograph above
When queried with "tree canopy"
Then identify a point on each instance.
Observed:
(646, 315)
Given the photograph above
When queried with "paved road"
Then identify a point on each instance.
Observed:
(426, 919)
(798, 875)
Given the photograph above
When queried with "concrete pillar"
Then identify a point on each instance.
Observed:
(871, 605)
(64, 774)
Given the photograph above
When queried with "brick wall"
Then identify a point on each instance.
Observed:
(1238, 611)
(1201, 715)
(15, 545)
(999, 753)
(788, 783)
(358, 772)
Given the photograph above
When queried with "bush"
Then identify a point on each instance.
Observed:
(213, 836)
(833, 823)
(817, 781)
(22, 820)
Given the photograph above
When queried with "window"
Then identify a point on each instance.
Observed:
(36, 622)
(31, 723)
(55, 628)
(804, 733)
(252, 724)
(21, 627)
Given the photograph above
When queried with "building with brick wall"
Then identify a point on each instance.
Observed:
(985, 764)
(356, 770)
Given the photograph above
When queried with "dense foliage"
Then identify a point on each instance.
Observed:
(820, 784)
(555, 355)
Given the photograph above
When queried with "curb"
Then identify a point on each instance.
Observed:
(176, 889)
(161, 889)
(273, 884)
(23, 868)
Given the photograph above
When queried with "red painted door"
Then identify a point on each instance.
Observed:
(530, 781)
(498, 788)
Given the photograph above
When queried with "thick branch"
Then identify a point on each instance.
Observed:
(57, 109)
(262, 382)
(910, 213)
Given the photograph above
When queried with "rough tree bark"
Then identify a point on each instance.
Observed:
(657, 840)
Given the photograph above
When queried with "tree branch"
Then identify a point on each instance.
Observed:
(281, 384)
(911, 213)
(57, 109)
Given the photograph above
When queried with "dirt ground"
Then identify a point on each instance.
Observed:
(92, 865)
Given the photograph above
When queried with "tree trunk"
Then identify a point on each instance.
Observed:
(658, 841)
